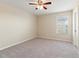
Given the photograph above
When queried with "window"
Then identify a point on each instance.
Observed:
(62, 25)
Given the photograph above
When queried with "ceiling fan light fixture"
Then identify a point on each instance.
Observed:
(41, 5)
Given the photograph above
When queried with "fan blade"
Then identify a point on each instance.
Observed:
(47, 3)
(44, 7)
(32, 4)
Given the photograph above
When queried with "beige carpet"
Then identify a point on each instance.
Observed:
(41, 48)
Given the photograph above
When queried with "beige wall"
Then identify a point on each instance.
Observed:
(15, 26)
(18, 25)
(47, 26)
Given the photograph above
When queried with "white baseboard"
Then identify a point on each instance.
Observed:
(54, 39)
(27, 39)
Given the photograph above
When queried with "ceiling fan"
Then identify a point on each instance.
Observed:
(40, 4)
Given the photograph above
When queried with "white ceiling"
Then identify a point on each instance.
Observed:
(58, 6)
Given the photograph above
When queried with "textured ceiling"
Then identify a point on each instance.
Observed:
(58, 6)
